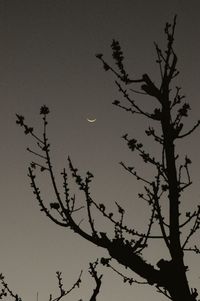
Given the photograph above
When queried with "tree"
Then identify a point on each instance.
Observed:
(6, 291)
(170, 181)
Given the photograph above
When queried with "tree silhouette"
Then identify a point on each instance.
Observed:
(6, 291)
(171, 179)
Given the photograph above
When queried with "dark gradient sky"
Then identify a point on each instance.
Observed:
(47, 56)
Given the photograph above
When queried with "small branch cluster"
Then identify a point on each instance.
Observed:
(97, 278)
(6, 291)
(62, 291)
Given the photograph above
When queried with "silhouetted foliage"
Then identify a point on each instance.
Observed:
(170, 180)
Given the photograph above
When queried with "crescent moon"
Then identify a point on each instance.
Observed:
(91, 120)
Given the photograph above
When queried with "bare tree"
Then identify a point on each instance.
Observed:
(170, 180)
(6, 291)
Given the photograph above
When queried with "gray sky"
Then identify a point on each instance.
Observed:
(47, 56)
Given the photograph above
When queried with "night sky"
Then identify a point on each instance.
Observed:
(47, 56)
